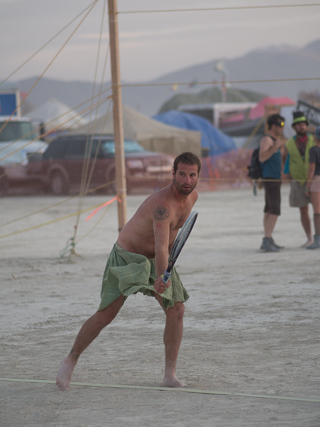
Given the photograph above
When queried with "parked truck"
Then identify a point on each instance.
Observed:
(20, 151)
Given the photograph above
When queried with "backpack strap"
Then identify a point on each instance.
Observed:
(272, 137)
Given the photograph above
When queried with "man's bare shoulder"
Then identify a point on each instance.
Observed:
(266, 142)
(162, 196)
(166, 197)
(194, 197)
(158, 201)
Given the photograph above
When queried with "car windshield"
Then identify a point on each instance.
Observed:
(16, 130)
(129, 147)
(8, 156)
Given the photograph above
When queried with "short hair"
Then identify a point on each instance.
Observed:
(274, 119)
(188, 159)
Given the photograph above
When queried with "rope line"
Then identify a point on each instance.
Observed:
(56, 204)
(50, 63)
(172, 390)
(96, 224)
(294, 79)
(46, 44)
(217, 8)
(49, 222)
(86, 175)
(210, 180)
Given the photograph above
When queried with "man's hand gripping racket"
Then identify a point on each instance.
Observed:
(179, 243)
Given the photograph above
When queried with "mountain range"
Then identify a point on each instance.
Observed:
(292, 66)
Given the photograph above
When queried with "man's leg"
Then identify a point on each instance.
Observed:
(269, 222)
(315, 199)
(88, 332)
(172, 339)
(306, 224)
(271, 213)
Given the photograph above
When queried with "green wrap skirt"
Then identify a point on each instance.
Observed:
(127, 273)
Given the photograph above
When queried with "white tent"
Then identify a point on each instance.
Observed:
(56, 115)
(151, 134)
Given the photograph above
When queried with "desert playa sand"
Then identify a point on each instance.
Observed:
(250, 352)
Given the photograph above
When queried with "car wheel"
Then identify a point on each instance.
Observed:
(58, 183)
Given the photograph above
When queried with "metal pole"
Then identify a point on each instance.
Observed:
(117, 115)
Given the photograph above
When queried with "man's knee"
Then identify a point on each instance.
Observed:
(176, 312)
(304, 212)
(105, 316)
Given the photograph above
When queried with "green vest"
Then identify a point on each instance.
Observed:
(298, 168)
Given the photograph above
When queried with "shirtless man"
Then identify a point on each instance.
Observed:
(136, 264)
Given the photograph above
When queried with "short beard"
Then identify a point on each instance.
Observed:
(181, 190)
(185, 192)
(302, 133)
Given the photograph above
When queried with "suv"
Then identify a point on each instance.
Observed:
(70, 158)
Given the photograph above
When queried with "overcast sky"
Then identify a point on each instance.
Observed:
(151, 44)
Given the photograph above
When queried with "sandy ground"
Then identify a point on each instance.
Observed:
(250, 352)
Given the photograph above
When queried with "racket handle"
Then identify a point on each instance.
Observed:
(166, 276)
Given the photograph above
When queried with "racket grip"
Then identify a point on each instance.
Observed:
(166, 276)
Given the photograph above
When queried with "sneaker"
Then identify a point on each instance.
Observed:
(275, 245)
(267, 245)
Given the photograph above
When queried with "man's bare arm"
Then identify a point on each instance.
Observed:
(161, 229)
(311, 170)
(268, 147)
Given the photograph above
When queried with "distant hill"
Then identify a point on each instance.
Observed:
(275, 62)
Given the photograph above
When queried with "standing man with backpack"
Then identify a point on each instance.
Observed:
(270, 158)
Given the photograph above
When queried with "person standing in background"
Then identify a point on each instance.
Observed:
(297, 151)
(271, 163)
(313, 187)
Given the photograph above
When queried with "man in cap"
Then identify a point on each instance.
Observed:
(297, 165)
(271, 164)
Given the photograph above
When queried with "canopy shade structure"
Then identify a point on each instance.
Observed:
(151, 134)
(57, 116)
(215, 141)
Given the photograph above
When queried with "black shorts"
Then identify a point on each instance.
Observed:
(272, 196)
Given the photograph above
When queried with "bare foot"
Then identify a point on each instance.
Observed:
(65, 372)
(308, 243)
(172, 382)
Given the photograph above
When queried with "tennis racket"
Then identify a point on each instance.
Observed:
(179, 243)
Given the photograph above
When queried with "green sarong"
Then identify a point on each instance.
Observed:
(127, 273)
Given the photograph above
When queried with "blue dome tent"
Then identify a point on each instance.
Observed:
(211, 138)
